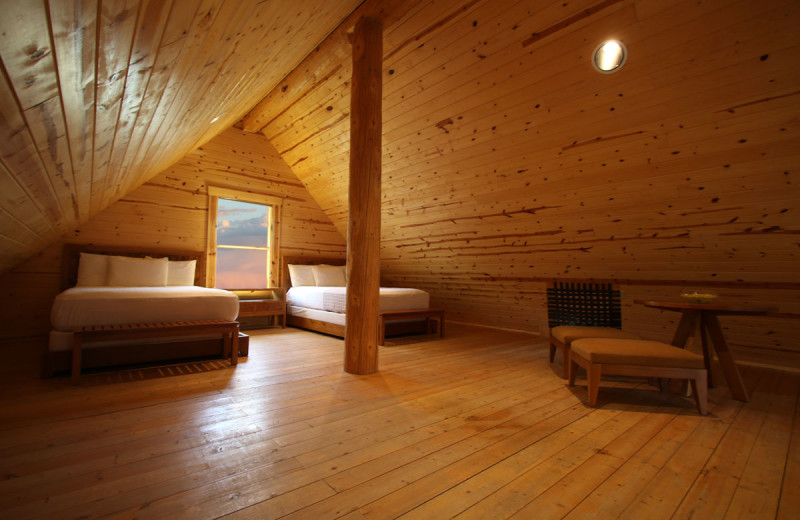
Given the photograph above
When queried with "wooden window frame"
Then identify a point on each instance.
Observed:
(214, 194)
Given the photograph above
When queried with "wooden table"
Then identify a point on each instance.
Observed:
(703, 317)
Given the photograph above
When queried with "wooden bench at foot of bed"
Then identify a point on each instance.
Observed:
(228, 329)
(410, 314)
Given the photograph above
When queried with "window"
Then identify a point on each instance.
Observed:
(243, 246)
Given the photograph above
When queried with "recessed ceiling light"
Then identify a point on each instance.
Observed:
(609, 56)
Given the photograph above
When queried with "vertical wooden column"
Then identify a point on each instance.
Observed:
(364, 220)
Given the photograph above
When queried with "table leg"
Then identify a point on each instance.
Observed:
(706, 352)
(686, 328)
(726, 361)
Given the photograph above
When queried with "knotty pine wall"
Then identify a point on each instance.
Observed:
(526, 165)
(170, 211)
(509, 161)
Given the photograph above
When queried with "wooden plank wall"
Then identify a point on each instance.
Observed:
(508, 161)
(170, 211)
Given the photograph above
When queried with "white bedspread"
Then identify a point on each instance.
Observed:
(334, 299)
(84, 306)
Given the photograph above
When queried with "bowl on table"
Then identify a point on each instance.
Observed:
(698, 296)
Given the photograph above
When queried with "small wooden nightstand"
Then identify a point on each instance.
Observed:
(252, 304)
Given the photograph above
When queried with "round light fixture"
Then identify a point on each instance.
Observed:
(609, 56)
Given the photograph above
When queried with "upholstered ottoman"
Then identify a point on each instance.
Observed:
(562, 336)
(636, 357)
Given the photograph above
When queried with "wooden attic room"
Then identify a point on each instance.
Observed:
(506, 161)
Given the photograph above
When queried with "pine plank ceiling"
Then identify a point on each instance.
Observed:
(506, 157)
(98, 96)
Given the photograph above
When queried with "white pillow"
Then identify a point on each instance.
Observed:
(124, 271)
(329, 275)
(181, 272)
(301, 275)
(92, 270)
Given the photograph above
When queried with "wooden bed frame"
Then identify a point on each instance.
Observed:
(333, 329)
(169, 350)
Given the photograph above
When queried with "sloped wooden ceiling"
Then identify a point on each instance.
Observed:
(97, 96)
(507, 159)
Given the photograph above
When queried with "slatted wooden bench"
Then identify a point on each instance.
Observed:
(228, 329)
(409, 314)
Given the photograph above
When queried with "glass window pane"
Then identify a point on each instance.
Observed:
(242, 268)
(243, 244)
(242, 223)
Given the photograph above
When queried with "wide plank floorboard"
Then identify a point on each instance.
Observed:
(477, 425)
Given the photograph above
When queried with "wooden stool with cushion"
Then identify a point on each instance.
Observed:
(632, 357)
(562, 336)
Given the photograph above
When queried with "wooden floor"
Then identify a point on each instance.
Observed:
(476, 425)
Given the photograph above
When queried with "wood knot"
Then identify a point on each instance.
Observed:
(443, 124)
(35, 53)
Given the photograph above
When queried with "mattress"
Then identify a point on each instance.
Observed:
(334, 299)
(84, 306)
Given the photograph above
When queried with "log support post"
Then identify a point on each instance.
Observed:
(364, 219)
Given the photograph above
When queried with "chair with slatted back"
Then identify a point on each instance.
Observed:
(578, 310)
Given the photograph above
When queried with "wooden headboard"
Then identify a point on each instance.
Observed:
(71, 255)
(305, 260)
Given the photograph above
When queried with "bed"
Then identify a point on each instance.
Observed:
(112, 286)
(318, 301)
